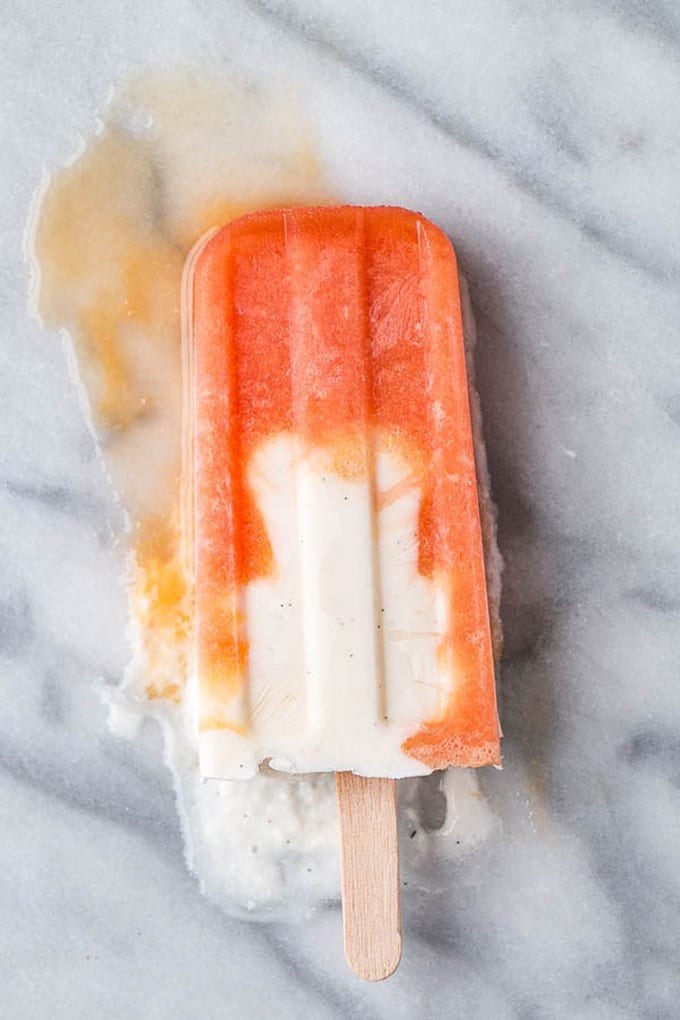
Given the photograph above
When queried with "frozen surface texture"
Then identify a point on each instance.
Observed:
(547, 142)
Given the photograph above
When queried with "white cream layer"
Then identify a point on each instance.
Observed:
(343, 640)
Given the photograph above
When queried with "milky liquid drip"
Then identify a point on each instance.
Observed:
(171, 157)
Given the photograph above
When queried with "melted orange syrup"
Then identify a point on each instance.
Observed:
(112, 233)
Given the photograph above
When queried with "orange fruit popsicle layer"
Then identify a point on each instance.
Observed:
(341, 618)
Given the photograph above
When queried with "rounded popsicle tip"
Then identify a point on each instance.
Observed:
(374, 963)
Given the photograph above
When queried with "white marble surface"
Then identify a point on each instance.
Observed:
(545, 138)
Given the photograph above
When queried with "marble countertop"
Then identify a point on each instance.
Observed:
(545, 139)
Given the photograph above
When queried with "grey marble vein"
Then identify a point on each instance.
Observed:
(60, 497)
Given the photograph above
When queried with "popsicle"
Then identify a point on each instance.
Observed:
(341, 618)
(331, 508)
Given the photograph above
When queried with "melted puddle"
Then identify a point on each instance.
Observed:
(112, 234)
(173, 156)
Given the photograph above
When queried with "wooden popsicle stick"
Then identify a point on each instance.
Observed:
(369, 854)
